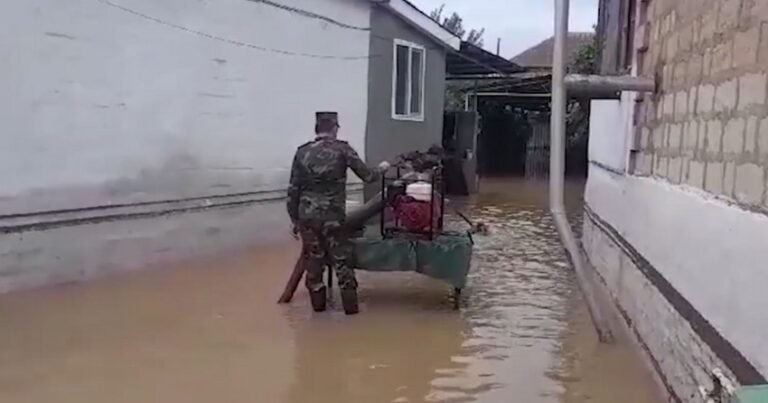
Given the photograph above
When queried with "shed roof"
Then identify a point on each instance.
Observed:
(473, 60)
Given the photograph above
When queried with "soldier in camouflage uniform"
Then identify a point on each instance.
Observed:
(317, 207)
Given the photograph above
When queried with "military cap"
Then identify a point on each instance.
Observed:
(327, 117)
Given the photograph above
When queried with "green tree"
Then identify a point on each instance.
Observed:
(455, 24)
(585, 60)
(454, 91)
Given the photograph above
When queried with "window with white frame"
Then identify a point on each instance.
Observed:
(408, 81)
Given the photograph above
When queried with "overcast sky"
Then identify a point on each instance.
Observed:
(519, 23)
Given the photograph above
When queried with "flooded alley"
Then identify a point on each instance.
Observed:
(210, 331)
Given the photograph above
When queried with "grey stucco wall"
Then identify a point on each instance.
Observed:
(385, 136)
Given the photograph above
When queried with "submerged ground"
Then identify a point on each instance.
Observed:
(210, 331)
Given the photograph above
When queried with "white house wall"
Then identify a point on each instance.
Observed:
(712, 253)
(696, 305)
(686, 267)
(681, 240)
(143, 132)
(121, 101)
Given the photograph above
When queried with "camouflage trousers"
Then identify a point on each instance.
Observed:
(326, 244)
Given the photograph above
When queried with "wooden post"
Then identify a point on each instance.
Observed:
(294, 280)
(456, 298)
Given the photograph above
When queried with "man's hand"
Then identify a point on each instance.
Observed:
(384, 166)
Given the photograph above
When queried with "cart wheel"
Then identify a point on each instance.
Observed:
(456, 298)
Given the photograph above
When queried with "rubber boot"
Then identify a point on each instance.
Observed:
(349, 301)
(318, 299)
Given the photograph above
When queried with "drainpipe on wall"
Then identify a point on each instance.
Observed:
(590, 87)
(557, 171)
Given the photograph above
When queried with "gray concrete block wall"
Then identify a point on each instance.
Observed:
(708, 125)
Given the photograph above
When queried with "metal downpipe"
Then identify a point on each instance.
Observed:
(557, 171)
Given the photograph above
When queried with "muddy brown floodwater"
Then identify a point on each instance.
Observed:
(210, 331)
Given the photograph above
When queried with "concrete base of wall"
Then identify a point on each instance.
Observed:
(81, 252)
(682, 359)
(705, 254)
(77, 246)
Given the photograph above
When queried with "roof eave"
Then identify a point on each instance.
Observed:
(421, 21)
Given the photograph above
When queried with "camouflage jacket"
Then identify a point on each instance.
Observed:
(318, 185)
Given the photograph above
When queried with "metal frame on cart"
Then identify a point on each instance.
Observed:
(436, 180)
(437, 183)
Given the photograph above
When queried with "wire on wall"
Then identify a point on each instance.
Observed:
(229, 40)
(297, 11)
(310, 14)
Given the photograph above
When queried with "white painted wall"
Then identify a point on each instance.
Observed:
(714, 254)
(100, 105)
(610, 123)
(606, 145)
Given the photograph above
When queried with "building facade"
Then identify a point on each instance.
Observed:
(677, 216)
(406, 82)
(136, 132)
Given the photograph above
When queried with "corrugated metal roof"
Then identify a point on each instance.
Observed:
(472, 60)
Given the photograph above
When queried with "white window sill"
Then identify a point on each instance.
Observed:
(409, 118)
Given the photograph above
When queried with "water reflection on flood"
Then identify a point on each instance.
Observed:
(210, 331)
